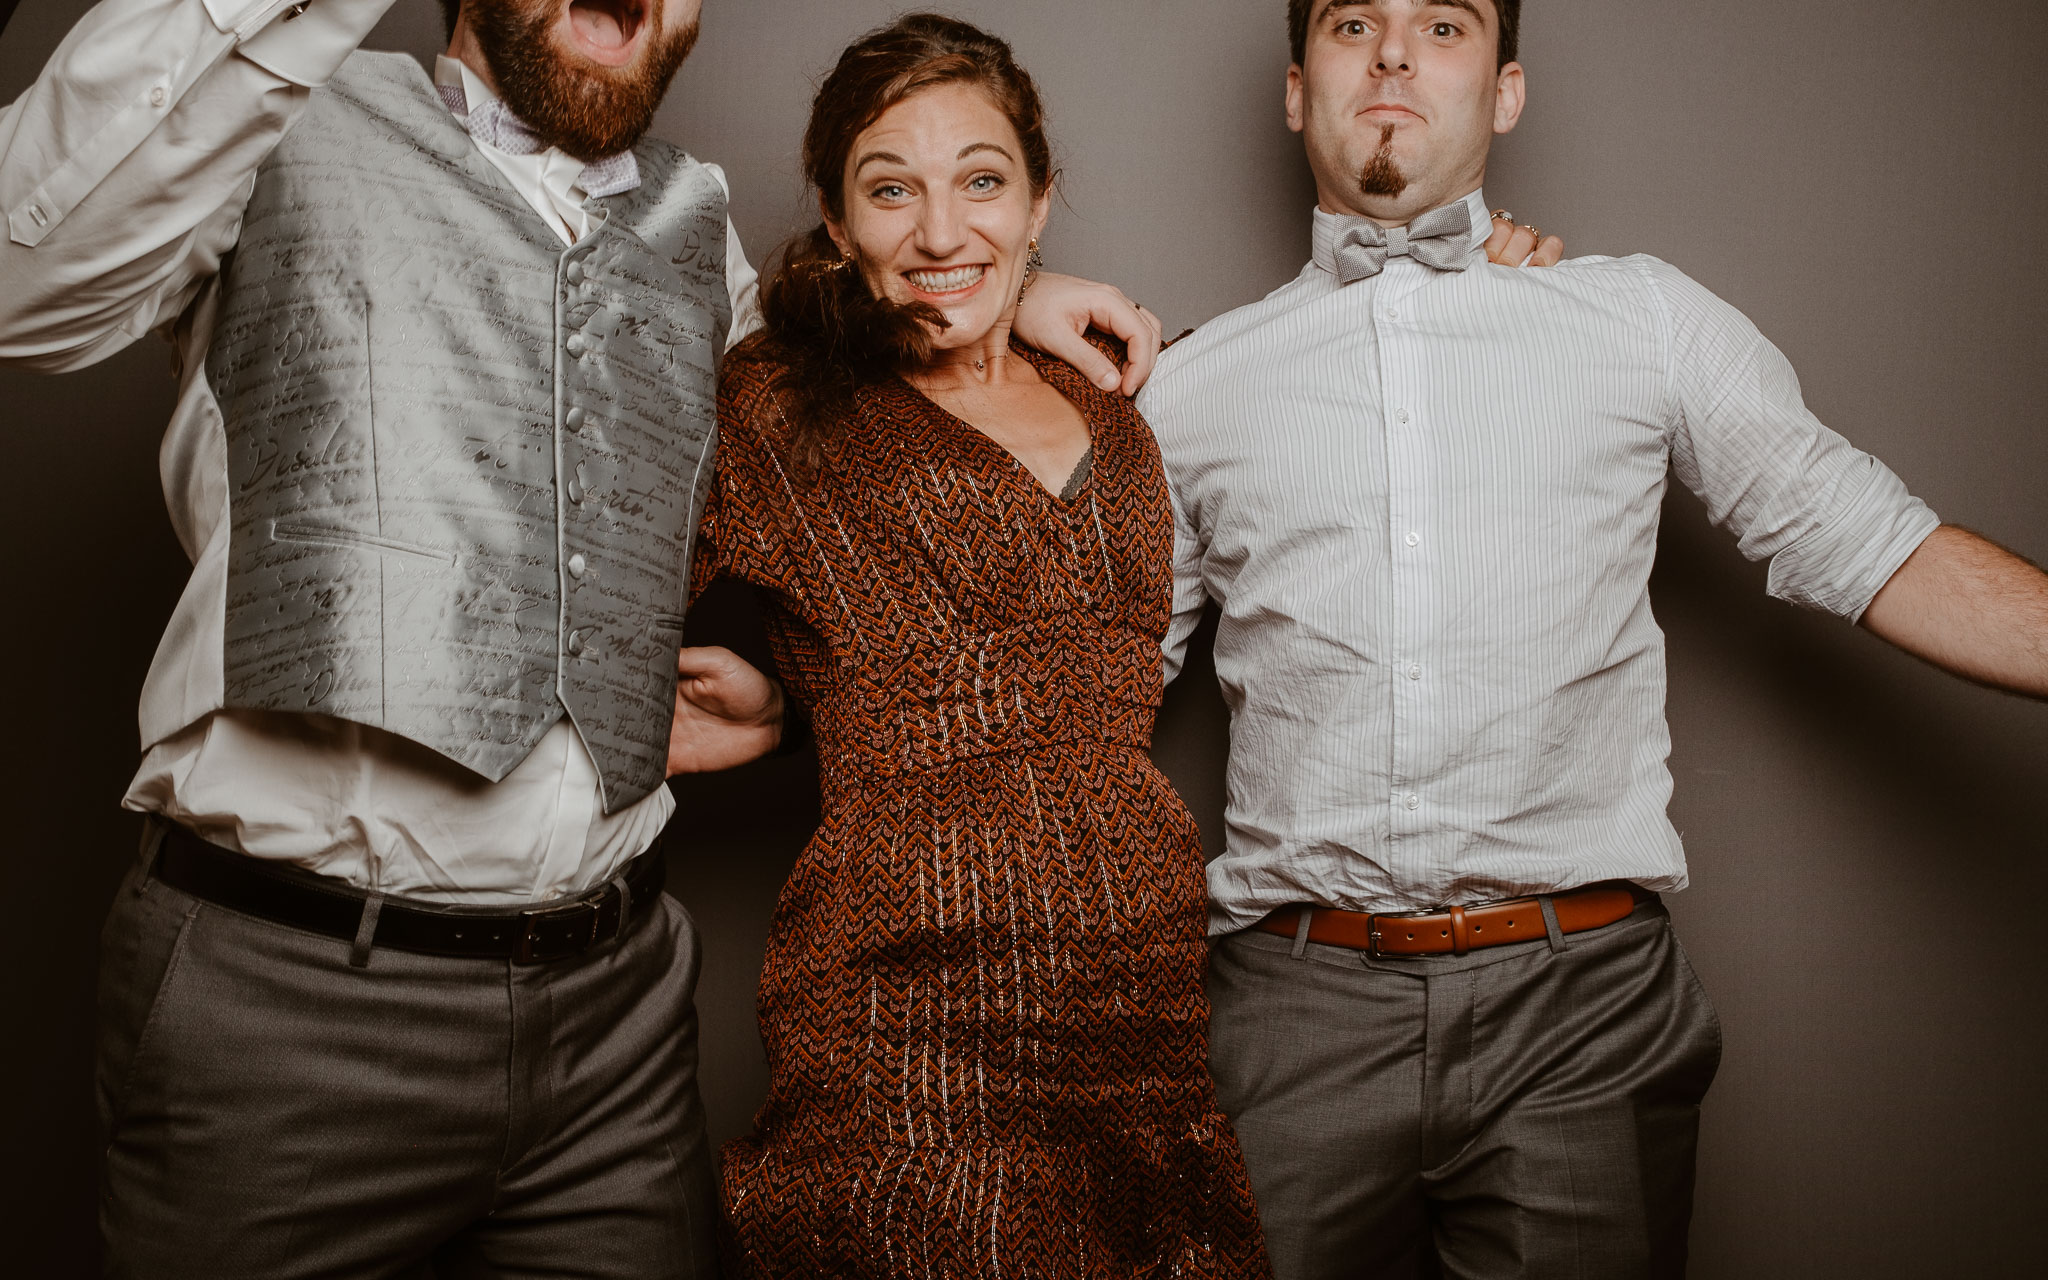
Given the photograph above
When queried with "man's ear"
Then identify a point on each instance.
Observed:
(1294, 97)
(1510, 95)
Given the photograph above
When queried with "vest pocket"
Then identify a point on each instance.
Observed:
(328, 536)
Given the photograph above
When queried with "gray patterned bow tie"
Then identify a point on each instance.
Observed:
(494, 124)
(1441, 238)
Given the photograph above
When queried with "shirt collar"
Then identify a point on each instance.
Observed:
(452, 73)
(1330, 226)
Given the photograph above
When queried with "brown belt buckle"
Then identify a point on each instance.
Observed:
(554, 932)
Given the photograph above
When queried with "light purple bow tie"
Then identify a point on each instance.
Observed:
(495, 125)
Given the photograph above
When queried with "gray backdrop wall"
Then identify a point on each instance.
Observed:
(1866, 178)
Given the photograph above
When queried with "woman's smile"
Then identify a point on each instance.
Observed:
(946, 284)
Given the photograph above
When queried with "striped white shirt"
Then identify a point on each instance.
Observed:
(1426, 504)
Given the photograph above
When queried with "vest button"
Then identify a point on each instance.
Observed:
(577, 564)
(576, 344)
(575, 492)
(575, 272)
(575, 645)
(575, 419)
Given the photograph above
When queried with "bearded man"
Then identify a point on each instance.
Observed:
(394, 979)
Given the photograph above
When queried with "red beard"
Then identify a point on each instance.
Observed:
(587, 110)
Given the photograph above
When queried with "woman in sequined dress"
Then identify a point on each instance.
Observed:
(982, 998)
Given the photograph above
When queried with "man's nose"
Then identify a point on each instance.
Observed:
(1394, 55)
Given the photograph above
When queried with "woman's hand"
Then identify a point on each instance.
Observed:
(1057, 313)
(727, 712)
(1522, 246)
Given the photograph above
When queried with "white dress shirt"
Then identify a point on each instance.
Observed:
(124, 172)
(1426, 504)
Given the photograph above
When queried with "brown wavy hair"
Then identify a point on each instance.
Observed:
(831, 334)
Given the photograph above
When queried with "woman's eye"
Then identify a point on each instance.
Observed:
(890, 191)
(982, 184)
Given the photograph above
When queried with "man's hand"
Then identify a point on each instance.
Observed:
(1970, 607)
(1513, 246)
(727, 713)
(1059, 310)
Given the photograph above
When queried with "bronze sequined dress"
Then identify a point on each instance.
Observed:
(982, 999)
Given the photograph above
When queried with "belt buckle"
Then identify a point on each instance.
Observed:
(1373, 934)
(534, 948)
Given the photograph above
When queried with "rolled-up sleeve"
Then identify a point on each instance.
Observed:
(125, 167)
(1834, 522)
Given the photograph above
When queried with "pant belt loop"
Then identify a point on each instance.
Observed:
(1308, 914)
(154, 829)
(625, 904)
(366, 932)
(1461, 937)
(1550, 925)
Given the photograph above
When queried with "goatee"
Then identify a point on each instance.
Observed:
(1383, 176)
(587, 110)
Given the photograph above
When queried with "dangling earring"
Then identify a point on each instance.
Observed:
(1032, 265)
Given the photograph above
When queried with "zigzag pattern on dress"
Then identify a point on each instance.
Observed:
(982, 999)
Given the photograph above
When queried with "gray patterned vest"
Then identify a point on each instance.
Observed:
(465, 464)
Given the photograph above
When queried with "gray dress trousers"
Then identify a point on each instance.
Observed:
(1523, 1111)
(272, 1112)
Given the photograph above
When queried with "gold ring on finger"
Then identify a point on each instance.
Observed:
(1502, 215)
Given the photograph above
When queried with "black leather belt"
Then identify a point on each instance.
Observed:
(301, 900)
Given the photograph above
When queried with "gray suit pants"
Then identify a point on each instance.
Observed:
(1522, 1111)
(272, 1112)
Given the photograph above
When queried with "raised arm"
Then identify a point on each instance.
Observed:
(1969, 606)
(125, 168)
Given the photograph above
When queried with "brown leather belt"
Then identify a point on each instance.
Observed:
(1457, 930)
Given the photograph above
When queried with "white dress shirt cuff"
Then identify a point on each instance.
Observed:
(1841, 565)
(305, 49)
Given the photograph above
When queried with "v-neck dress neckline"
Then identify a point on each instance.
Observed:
(1076, 481)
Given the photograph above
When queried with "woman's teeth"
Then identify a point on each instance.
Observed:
(945, 281)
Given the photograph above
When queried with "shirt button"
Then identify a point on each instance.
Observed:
(1392, 314)
(1414, 673)
(156, 96)
(1401, 414)
(1414, 539)
(1412, 800)
(577, 564)
(575, 420)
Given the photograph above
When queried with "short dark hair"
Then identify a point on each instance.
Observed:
(1298, 11)
(451, 9)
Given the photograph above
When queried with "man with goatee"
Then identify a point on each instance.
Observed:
(1449, 1018)
(394, 979)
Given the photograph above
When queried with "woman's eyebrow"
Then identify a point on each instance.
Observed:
(887, 156)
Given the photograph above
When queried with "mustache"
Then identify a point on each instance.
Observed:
(586, 110)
